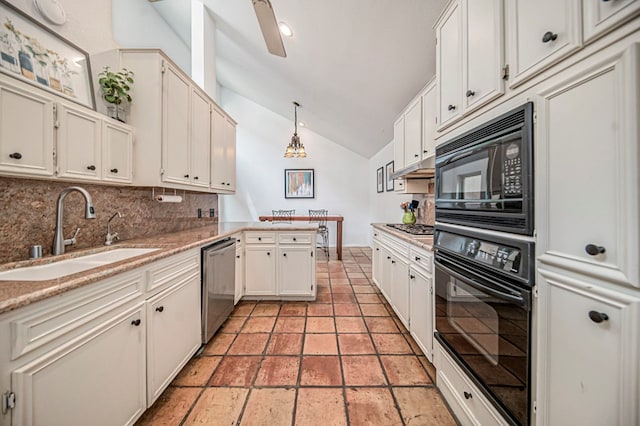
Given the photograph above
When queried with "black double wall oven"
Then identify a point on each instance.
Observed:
(483, 278)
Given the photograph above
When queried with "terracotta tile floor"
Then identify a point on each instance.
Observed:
(344, 359)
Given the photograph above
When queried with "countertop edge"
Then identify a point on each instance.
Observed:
(423, 242)
(169, 244)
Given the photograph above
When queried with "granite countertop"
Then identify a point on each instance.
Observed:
(15, 294)
(422, 241)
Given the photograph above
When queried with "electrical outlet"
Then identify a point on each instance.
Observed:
(199, 213)
(211, 212)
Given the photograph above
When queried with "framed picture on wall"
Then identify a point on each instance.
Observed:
(380, 179)
(389, 170)
(299, 183)
(32, 53)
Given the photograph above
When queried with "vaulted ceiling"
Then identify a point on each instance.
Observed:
(352, 64)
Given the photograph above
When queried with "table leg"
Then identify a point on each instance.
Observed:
(339, 239)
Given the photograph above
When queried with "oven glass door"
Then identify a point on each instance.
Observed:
(486, 326)
(484, 177)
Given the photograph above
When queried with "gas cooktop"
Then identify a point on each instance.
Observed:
(415, 229)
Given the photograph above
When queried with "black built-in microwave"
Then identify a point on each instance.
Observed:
(484, 178)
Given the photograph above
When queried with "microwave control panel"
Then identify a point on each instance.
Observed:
(512, 171)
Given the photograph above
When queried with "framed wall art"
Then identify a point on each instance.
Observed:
(32, 53)
(389, 170)
(380, 180)
(299, 183)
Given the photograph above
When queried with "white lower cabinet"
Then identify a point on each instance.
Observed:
(588, 371)
(260, 276)
(296, 265)
(421, 301)
(280, 265)
(400, 288)
(102, 353)
(98, 377)
(402, 272)
(172, 334)
(464, 398)
(240, 269)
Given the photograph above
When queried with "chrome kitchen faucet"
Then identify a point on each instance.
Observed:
(59, 241)
(110, 238)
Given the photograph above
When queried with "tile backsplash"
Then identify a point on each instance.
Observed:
(426, 209)
(28, 214)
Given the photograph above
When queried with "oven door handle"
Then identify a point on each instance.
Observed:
(519, 300)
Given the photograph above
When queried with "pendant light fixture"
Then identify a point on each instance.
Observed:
(295, 147)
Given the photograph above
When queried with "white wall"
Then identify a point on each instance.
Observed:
(341, 179)
(88, 23)
(384, 206)
(137, 24)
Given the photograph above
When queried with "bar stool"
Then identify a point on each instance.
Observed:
(282, 216)
(320, 217)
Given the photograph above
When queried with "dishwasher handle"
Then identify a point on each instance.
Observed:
(219, 245)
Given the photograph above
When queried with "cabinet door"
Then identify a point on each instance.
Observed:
(482, 49)
(413, 133)
(599, 17)
(449, 65)
(26, 132)
(421, 309)
(99, 376)
(230, 154)
(260, 272)
(117, 153)
(200, 139)
(429, 114)
(540, 34)
(377, 264)
(400, 288)
(398, 143)
(240, 267)
(173, 333)
(588, 365)
(587, 170)
(79, 139)
(387, 273)
(175, 126)
(223, 148)
(294, 271)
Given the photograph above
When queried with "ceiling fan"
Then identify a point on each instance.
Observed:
(269, 27)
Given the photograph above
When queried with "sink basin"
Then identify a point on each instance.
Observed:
(71, 266)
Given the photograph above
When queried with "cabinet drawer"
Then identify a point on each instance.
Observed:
(41, 326)
(465, 400)
(401, 247)
(174, 270)
(421, 258)
(294, 239)
(260, 238)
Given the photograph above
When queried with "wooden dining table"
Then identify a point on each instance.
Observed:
(337, 219)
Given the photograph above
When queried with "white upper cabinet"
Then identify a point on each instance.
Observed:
(429, 118)
(398, 143)
(587, 169)
(469, 57)
(117, 152)
(540, 34)
(78, 140)
(413, 132)
(200, 139)
(175, 126)
(600, 16)
(223, 155)
(449, 64)
(26, 131)
(482, 57)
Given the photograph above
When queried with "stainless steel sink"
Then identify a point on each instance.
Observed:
(71, 266)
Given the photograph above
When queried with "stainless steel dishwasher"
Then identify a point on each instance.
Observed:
(218, 285)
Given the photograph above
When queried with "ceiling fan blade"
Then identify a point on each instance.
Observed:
(269, 27)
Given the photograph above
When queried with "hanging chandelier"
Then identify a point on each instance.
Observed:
(295, 147)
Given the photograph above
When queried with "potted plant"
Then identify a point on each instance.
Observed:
(115, 88)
